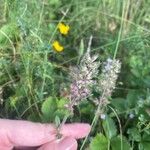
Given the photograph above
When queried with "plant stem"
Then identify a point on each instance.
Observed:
(92, 125)
(119, 126)
(5, 10)
(120, 31)
(64, 120)
(108, 145)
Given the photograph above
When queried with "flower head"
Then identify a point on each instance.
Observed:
(83, 79)
(108, 78)
(57, 46)
(63, 29)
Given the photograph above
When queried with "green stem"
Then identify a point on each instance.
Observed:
(120, 128)
(64, 120)
(5, 10)
(44, 72)
(100, 105)
(41, 14)
(120, 31)
(57, 27)
(108, 144)
(92, 125)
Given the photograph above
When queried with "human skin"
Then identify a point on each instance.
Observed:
(26, 135)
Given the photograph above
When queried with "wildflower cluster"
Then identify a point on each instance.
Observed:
(64, 30)
(108, 79)
(84, 78)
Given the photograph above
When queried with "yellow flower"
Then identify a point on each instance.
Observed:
(57, 46)
(63, 29)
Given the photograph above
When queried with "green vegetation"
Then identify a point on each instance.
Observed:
(34, 79)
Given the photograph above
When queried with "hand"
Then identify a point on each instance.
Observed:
(25, 135)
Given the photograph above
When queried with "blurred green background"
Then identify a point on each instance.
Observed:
(34, 77)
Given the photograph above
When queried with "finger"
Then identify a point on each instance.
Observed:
(76, 130)
(25, 133)
(5, 143)
(67, 143)
(6, 147)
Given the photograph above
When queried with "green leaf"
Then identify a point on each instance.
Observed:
(116, 143)
(99, 142)
(145, 145)
(61, 109)
(134, 134)
(48, 108)
(119, 104)
(81, 50)
(132, 98)
(146, 137)
(57, 121)
(61, 103)
(109, 127)
(145, 142)
(60, 113)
